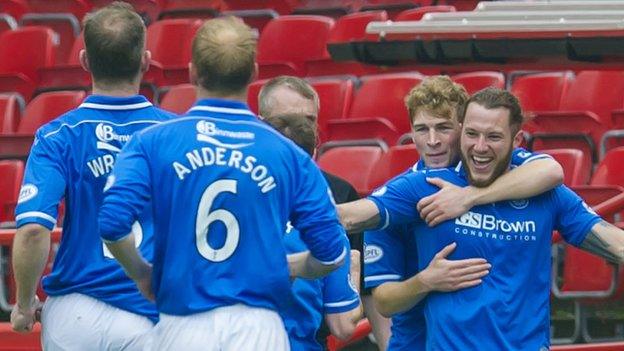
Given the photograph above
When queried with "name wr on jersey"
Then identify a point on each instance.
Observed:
(220, 156)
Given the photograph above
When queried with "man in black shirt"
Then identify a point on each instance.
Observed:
(281, 101)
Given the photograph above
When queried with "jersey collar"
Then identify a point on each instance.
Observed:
(116, 103)
(227, 108)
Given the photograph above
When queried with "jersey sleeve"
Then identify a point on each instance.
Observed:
(43, 186)
(384, 254)
(339, 295)
(127, 191)
(521, 156)
(574, 217)
(314, 215)
(396, 201)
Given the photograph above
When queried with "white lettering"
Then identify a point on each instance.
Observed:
(181, 171)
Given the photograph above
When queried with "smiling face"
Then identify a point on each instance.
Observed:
(436, 139)
(487, 141)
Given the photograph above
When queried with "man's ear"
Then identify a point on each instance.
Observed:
(192, 73)
(518, 139)
(145, 61)
(84, 62)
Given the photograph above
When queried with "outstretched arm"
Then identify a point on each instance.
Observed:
(605, 240)
(357, 216)
(440, 275)
(527, 180)
(31, 247)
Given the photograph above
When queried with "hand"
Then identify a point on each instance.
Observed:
(355, 269)
(450, 202)
(23, 319)
(144, 283)
(450, 275)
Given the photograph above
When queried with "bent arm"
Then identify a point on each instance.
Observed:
(527, 180)
(605, 240)
(304, 265)
(357, 216)
(31, 247)
(440, 275)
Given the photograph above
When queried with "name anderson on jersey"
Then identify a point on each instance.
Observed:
(220, 156)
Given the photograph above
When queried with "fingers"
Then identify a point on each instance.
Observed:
(439, 219)
(457, 264)
(482, 269)
(424, 202)
(446, 251)
(468, 284)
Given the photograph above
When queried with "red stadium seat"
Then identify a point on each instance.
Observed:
(348, 28)
(46, 107)
(585, 112)
(22, 53)
(475, 81)
(13, 341)
(11, 108)
(7, 23)
(179, 98)
(393, 7)
(14, 8)
(77, 8)
(610, 171)
(252, 94)
(65, 25)
(69, 76)
(288, 43)
(595, 194)
(362, 329)
(191, 8)
(374, 114)
(170, 42)
(418, 13)
(576, 172)
(334, 9)
(542, 91)
(353, 163)
(282, 7)
(11, 174)
(335, 96)
(396, 160)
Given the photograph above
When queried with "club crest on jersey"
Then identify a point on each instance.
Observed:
(372, 253)
(105, 134)
(519, 204)
(27, 192)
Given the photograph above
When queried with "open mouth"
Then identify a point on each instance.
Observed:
(481, 163)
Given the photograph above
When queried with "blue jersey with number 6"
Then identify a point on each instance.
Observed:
(223, 184)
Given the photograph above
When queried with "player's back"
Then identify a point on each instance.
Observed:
(70, 159)
(224, 186)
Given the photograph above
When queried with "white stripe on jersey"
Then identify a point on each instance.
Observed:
(341, 303)
(37, 214)
(374, 278)
(387, 223)
(234, 111)
(536, 157)
(338, 259)
(99, 121)
(115, 107)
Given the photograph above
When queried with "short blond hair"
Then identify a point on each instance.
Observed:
(438, 96)
(224, 55)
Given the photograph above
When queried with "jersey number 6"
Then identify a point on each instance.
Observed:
(205, 218)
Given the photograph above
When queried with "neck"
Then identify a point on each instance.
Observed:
(207, 94)
(117, 89)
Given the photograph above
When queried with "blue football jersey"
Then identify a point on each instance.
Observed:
(312, 299)
(71, 158)
(223, 184)
(510, 309)
(391, 255)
